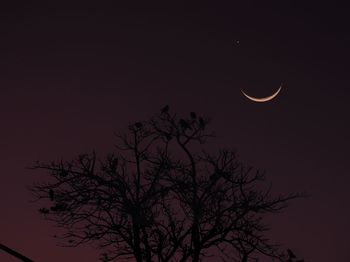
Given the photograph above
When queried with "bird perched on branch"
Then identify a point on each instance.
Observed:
(201, 123)
(44, 211)
(183, 123)
(165, 109)
(291, 254)
(138, 125)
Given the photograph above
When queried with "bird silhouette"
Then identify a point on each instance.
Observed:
(138, 125)
(44, 210)
(184, 124)
(165, 109)
(201, 123)
(291, 254)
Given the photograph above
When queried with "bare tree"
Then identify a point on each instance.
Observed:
(162, 197)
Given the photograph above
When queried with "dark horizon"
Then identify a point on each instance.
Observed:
(65, 67)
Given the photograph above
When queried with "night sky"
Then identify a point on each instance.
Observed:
(71, 75)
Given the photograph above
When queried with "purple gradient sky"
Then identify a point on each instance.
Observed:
(72, 74)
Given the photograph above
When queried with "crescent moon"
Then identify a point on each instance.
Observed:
(263, 99)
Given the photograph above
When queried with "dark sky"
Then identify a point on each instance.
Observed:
(71, 75)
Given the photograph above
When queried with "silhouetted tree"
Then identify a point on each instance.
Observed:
(162, 197)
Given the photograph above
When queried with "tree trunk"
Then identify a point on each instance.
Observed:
(196, 248)
(147, 247)
(137, 247)
(245, 258)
